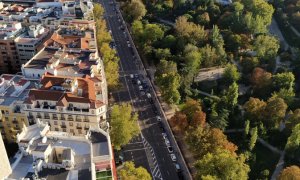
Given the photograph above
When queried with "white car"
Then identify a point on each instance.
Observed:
(141, 88)
(164, 135)
(138, 82)
(158, 118)
(173, 157)
(167, 142)
(131, 76)
(148, 95)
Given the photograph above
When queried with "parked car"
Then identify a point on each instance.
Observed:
(151, 101)
(164, 135)
(167, 142)
(173, 157)
(138, 82)
(148, 95)
(170, 149)
(177, 167)
(131, 76)
(158, 118)
(141, 88)
(136, 76)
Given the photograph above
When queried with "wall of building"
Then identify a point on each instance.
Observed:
(9, 61)
(4, 165)
(11, 123)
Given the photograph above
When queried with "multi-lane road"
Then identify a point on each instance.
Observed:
(149, 149)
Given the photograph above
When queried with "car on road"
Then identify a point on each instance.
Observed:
(158, 118)
(141, 88)
(151, 100)
(164, 135)
(138, 82)
(177, 167)
(167, 142)
(173, 157)
(131, 76)
(155, 110)
(148, 95)
(136, 76)
(170, 149)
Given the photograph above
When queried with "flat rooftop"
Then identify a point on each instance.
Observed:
(41, 60)
(14, 88)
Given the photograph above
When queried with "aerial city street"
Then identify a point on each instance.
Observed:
(142, 90)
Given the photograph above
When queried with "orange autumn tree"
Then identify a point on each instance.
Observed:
(208, 140)
(191, 115)
(179, 122)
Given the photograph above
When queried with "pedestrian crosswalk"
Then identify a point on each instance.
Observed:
(155, 171)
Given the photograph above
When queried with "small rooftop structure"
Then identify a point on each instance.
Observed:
(14, 88)
(57, 155)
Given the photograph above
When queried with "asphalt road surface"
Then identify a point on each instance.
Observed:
(149, 149)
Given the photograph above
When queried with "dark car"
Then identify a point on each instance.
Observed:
(151, 100)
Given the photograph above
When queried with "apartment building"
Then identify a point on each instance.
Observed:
(13, 91)
(31, 42)
(4, 165)
(9, 61)
(67, 104)
(45, 154)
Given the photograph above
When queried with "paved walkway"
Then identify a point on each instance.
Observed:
(274, 29)
(279, 166)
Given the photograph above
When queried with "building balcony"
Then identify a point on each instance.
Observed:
(70, 119)
(78, 119)
(38, 116)
(63, 126)
(54, 117)
(79, 127)
(86, 120)
(47, 117)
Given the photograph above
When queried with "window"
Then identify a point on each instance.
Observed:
(56, 129)
(70, 123)
(55, 122)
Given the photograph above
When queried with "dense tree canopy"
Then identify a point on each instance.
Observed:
(123, 125)
(168, 79)
(98, 11)
(231, 74)
(134, 10)
(293, 119)
(284, 80)
(266, 46)
(130, 172)
(191, 32)
(260, 8)
(293, 144)
(222, 165)
(290, 173)
(205, 140)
